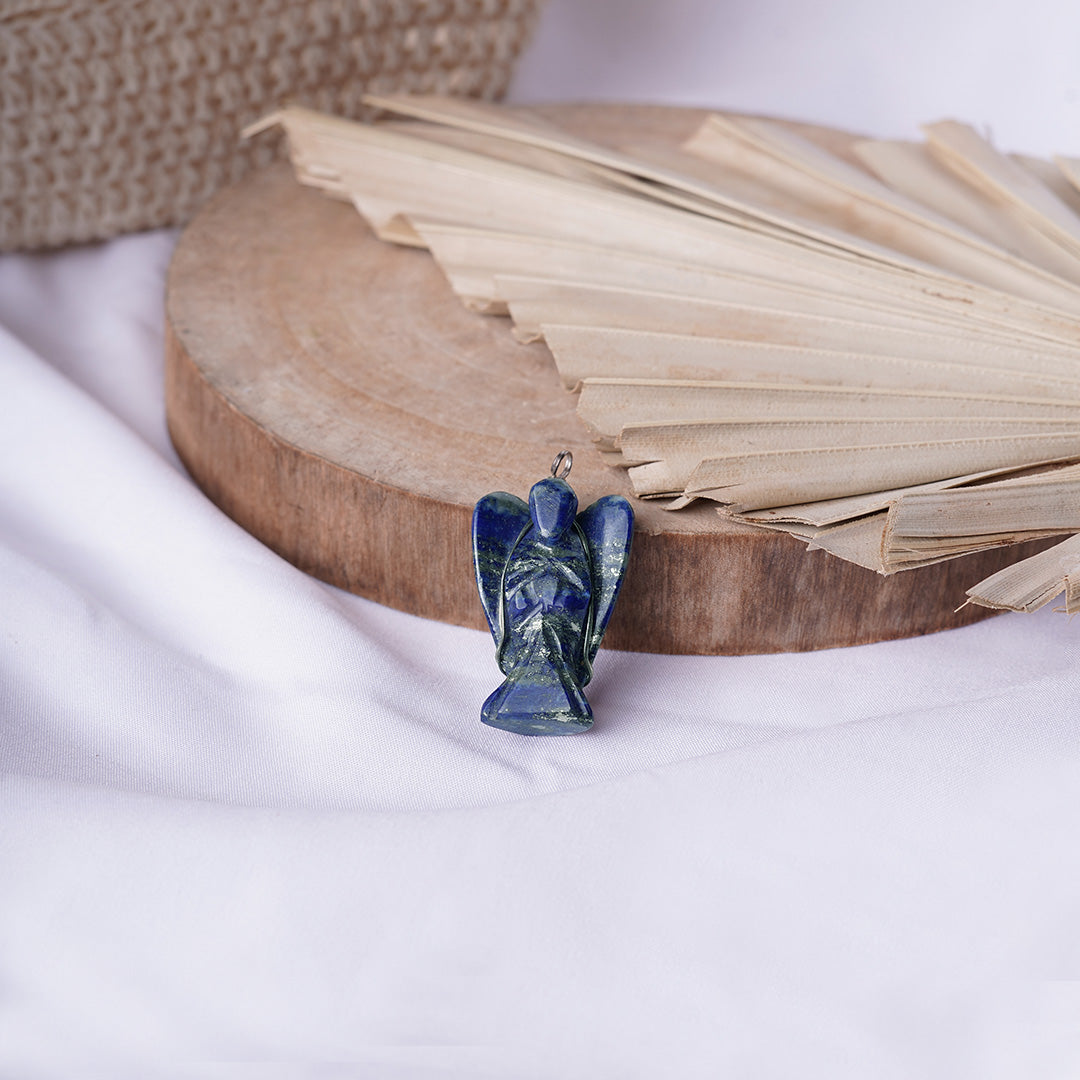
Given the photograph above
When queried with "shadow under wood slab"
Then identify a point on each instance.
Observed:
(332, 395)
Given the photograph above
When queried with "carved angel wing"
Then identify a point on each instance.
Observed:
(498, 520)
(608, 527)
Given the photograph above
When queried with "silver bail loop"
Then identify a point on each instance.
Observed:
(563, 463)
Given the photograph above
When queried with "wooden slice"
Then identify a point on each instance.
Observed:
(333, 396)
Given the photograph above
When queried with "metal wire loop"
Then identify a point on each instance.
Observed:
(563, 463)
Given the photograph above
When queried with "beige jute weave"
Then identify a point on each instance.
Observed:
(118, 115)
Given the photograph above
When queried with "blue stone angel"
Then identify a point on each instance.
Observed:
(548, 578)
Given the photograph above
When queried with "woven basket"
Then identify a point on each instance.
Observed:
(118, 115)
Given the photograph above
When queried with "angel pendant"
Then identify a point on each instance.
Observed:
(548, 579)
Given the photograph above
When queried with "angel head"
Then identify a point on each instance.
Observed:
(552, 506)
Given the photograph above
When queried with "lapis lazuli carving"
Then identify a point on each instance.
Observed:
(548, 579)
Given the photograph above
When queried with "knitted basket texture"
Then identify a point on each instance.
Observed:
(118, 115)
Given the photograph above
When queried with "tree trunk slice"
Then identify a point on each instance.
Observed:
(332, 395)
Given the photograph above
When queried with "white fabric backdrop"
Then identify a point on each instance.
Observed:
(251, 827)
